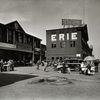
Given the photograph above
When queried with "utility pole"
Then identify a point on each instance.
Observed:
(84, 3)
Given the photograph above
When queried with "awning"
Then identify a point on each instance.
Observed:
(89, 58)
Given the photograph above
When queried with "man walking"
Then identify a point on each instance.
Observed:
(38, 64)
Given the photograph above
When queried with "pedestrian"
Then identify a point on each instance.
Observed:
(42, 63)
(47, 64)
(63, 69)
(92, 70)
(82, 68)
(1, 65)
(96, 63)
(38, 64)
(12, 65)
(88, 71)
(9, 65)
(55, 64)
(68, 68)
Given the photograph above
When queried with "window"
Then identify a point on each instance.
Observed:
(72, 43)
(52, 58)
(10, 36)
(25, 39)
(29, 40)
(62, 44)
(36, 43)
(53, 45)
(20, 37)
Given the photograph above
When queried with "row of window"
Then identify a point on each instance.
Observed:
(13, 36)
(21, 38)
(36, 43)
(24, 39)
(10, 37)
(63, 44)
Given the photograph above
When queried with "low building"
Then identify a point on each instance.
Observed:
(16, 44)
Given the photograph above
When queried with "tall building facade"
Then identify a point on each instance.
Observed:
(67, 43)
(16, 44)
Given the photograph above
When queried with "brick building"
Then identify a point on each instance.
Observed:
(68, 43)
(16, 44)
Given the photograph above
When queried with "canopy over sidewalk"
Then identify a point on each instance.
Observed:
(89, 58)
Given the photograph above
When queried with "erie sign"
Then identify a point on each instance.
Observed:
(61, 37)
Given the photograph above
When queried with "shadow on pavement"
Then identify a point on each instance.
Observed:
(6, 79)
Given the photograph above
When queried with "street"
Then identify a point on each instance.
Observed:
(28, 83)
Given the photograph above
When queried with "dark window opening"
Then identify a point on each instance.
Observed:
(52, 58)
(20, 37)
(10, 36)
(72, 43)
(62, 44)
(53, 45)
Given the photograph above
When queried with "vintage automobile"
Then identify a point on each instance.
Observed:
(74, 64)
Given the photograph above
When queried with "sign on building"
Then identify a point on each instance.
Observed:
(62, 37)
(71, 22)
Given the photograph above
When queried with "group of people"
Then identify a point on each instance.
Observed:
(85, 67)
(43, 63)
(6, 65)
(59, 66)
(88, 68)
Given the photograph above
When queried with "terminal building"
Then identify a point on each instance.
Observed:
(16, 44)
(68, 43)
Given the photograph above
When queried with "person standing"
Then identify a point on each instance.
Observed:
(82, 68)
(38, 64)
(47, 64)
(63, 69)
(68, 68)
(1, 65)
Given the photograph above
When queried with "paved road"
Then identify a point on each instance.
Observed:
(24, 84)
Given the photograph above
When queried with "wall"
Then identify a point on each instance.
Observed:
(67, 51)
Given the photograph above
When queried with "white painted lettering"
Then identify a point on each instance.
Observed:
(74, 36)
(67, 36)
(61, 37)
(53, 37)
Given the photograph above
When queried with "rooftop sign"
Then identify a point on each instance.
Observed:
(71, 22)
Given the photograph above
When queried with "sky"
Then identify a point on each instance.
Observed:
(37, 16)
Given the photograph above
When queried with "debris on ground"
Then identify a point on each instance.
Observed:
(54, 80)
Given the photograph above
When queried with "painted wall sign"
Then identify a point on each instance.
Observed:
(62, 37)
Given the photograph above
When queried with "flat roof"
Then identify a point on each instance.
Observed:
(83, 25)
